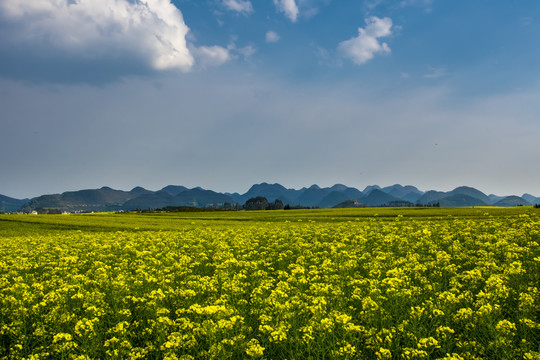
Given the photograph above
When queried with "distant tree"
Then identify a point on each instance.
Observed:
(48, 211)
(298, 207)
(256, 203)
(276, 205)
(400, 203)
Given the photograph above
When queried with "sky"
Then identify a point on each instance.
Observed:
(224, 94)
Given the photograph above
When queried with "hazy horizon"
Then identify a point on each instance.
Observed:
(243, 191)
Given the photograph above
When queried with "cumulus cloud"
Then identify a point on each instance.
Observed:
(272, 37)
(366, 45)
(241, 6)
(288, 7)
(151, 31)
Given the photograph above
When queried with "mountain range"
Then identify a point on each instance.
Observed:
(108, 199)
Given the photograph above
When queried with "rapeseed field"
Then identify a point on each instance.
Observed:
(344, 284)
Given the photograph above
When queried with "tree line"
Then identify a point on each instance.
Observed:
(262, 203)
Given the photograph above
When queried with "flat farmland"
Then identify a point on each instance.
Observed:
(377, 283)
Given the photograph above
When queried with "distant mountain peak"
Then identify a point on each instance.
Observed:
(138, 189)
(512, 201)
(472, 192)
(265, 185)
(370, 188)
(464, 187)
(377, 197)
(10, 204)
(174, 189)
(339, 187)
(531, 199)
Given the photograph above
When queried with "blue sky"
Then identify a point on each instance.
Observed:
(226, 93)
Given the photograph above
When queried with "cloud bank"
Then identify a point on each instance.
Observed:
(151, 31)
(366, 45)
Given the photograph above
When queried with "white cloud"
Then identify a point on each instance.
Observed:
(211, 55)
(272, 37)
(241, 6)
(365, 46)
(288, 7)
(150, 30)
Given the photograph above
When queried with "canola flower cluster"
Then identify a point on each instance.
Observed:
(398, 288)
